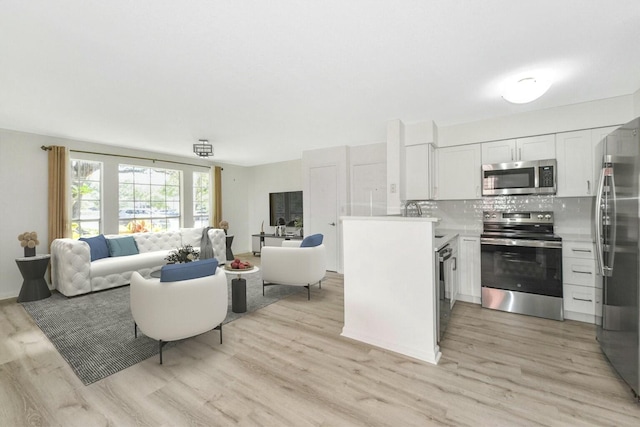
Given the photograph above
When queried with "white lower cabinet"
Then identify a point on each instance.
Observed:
(469, 269)
(582, 289)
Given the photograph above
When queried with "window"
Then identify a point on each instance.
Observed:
(148, 200)
(86, 208)
(201, 201)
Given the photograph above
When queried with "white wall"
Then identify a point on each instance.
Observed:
(265, 179)
(586, 115)
(367, 168)
(236, 195)
(23, 188)
(395, 164)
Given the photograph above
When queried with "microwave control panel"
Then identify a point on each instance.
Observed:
(546, 176)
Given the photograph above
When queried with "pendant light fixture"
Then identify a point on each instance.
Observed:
(203, 148)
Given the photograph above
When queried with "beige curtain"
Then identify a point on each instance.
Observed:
(217, 196)
(59, 225)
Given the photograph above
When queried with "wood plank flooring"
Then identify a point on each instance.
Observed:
(287, 365)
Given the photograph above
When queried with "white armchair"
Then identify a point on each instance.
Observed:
(170, 311)
(293, 265)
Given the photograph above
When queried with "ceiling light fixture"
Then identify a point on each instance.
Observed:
(526, 90)
(203, 149)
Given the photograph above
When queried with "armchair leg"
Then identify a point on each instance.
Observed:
(135, 330)
(219, 327)
(263, 288)
(160, 345)
(320, 284)
(308, 292)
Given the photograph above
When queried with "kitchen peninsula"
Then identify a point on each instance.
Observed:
(389, 284)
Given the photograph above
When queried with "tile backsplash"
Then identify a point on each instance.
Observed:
(573, 215)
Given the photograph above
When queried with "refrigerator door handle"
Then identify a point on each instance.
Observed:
(613, 222)
(598, 225)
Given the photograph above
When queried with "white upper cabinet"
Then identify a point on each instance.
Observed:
(541, 147)
(418, 173)
(579, 156)
(574, 152)
(459, 173)
(499, 151)
(522, 149)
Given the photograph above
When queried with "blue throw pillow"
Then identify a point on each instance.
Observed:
(311, 241)
(188, 270)
(122, 246)
(98, 246)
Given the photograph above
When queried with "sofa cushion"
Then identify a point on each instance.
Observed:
(158, 241)
(188, 270)
(122, 246)
(98, 246)
(191, 236)
(311, 241)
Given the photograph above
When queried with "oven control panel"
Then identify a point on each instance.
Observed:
(543, 217)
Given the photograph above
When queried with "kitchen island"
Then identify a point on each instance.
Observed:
(389, 284)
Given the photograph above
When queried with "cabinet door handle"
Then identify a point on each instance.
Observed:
(581, 272)
(588, 251)
(512, 155)
(519, 153)
(455, 263)
(333, 224)
(588, 187)
(583, 299)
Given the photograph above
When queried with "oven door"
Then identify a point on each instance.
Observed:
(530, 266)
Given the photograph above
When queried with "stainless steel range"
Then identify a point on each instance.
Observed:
(522, 264)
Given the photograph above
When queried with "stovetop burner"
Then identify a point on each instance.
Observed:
(519, 225)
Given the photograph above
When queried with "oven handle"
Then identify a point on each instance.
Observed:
(521, 242)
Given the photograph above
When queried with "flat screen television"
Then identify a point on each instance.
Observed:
(285, 207)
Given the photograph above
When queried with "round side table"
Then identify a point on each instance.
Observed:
(34, 287)
(239, 289)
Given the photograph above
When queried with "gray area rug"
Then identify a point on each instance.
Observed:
(95, 334)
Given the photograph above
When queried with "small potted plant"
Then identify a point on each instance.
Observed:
(224, 225)
(29, 241)
(183, 254)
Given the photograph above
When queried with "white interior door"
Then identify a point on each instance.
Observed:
(323, 210)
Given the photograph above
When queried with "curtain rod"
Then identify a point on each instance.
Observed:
(47, 148)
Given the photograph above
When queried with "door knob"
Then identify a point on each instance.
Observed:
(333, 224)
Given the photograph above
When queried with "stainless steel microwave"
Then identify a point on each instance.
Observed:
(534, 177)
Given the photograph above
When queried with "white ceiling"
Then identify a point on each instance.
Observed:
(265, 80)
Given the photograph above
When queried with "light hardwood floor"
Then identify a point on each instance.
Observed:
(288, 365)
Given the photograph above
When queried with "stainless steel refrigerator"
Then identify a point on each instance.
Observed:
(616, 231)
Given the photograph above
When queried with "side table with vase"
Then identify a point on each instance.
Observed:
(32, 268)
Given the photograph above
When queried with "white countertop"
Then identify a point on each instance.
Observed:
(398, 218)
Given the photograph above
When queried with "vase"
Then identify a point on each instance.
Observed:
(28, 252)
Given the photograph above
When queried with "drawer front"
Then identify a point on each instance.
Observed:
(579, 299)
(585, 250)
(578, 271)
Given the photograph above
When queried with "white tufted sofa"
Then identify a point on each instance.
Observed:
(73, 272)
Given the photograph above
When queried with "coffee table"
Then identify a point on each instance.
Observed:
(239, 288)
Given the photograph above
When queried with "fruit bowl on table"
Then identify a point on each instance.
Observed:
(238, 265)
